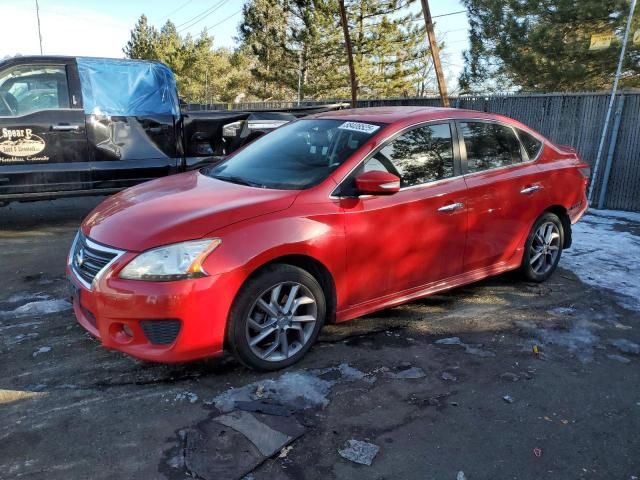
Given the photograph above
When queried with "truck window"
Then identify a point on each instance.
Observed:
(26, 89)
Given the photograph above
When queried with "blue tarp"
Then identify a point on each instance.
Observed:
(127, 88)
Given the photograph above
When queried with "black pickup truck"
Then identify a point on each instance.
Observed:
(73, 126)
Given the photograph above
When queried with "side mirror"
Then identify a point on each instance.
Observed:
(377, 183)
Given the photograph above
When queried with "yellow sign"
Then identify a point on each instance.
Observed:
(600, 41)
(636, 37)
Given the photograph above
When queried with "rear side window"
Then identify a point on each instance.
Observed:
(421, 155)
(530, 143)
(489, 145)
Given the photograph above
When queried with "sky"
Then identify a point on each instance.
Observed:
(101, 28)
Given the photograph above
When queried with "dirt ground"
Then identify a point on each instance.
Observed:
(441, 386)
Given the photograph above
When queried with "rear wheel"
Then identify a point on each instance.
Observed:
(276, 317)
(543, 248)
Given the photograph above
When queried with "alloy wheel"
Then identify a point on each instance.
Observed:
(544, 248)
(281, 321)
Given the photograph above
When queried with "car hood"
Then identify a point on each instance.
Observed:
(177, 208)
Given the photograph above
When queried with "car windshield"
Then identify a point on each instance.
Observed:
(296, 156)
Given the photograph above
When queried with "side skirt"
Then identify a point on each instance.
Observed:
(405, 296)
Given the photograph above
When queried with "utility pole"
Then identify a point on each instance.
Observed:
(435, 53)
(206, 87)
(299, 77)
(611, 101)
(39, 34)
(347, 41)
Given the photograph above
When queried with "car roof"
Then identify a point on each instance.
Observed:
(31, 59)
(405, 114)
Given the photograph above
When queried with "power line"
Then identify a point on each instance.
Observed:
(223, 20)
(173, 12)
(420, 20)
(201, 16)
(450, 13)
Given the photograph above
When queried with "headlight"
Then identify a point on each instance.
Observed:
(171, 262)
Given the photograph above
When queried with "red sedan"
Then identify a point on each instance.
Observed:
(323, 220)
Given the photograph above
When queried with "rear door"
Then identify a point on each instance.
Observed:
(43, 144)
(133, 120)
(404, 241)
(505, 192)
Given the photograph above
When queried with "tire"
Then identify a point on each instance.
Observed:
(282, 329)
(543, 248)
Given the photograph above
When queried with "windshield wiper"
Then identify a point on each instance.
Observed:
(238, 180)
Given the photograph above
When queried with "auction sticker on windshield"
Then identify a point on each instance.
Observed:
(359, 127)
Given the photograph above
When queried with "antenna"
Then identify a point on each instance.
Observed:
(39, 33)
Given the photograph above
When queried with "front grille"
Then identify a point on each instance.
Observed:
(89, 258)
(161, 332)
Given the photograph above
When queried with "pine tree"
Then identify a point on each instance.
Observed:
(389, 51)
(203, 73)
(544, 46)
(263, 32)
(316, 37)
(143, 41)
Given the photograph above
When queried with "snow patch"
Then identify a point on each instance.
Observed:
(298, 390)
(625, 346)
(190, 396)
(39, 307)
(579, 340)
(628, 216)
(407, 373)
(470, 349)
(41, 350)
(604, 257)
(358, 451)
(21, 297)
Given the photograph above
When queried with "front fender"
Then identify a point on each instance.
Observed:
(248, 245)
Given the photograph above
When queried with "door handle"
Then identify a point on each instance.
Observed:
(451, 207)
(65, 128)
(531, 189)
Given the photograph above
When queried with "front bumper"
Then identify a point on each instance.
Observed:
(114, 309)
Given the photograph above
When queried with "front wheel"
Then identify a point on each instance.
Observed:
(276, 317)
(543, 248)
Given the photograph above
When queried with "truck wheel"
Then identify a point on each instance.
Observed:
(276, 317)
(543, 248)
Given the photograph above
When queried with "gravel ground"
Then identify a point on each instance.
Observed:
(444, 385)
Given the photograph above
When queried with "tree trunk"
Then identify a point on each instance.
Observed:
(347, 41)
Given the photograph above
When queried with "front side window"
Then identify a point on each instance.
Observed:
(26, 89)
(421, 155)
(489, 145)
(296, 156)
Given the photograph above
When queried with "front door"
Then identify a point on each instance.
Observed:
(43, 143)
(416, 236)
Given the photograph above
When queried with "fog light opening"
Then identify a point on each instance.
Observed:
(121, 333)
(127, 330)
